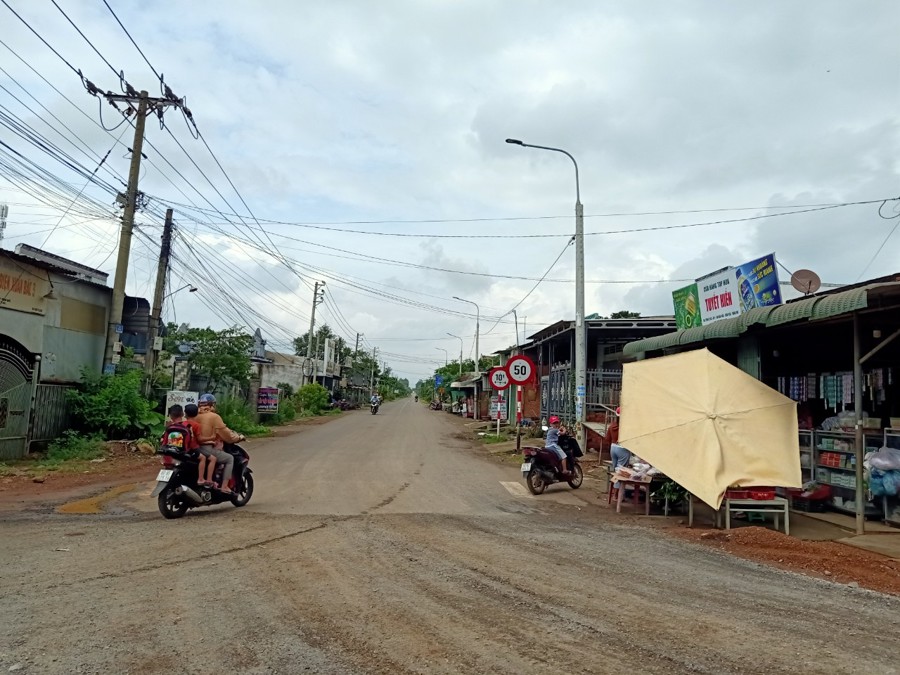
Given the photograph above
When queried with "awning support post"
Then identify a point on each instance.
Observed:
(857, 408)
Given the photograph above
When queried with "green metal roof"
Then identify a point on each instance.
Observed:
(819, 307)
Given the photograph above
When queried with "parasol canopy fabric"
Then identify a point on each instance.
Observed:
(708, 425)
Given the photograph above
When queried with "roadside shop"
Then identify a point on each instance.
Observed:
(836, 354)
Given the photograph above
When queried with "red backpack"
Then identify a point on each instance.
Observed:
(178, 435)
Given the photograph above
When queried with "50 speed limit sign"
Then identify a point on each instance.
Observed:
(520, 369)
(499, 378)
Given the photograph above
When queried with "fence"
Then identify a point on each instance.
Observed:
(51, 416)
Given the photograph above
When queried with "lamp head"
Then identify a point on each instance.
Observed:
(193, 289)
(514, 141)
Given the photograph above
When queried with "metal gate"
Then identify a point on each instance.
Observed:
(16, 390)
(558, 394)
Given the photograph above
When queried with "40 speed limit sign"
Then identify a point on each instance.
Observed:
(520, 369)
(499, 378)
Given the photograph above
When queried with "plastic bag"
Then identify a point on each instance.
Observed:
(886, 459)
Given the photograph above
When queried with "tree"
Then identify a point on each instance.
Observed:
(625, 314)
(301, 344)
(218, 356)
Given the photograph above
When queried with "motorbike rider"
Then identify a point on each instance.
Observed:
(375, 400)
(213, 433)
(552, 443)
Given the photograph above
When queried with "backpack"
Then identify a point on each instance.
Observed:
(177, 435)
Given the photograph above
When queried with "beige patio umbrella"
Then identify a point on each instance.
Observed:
(708, 425)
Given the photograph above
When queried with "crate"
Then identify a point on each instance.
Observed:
(809, 505)
(762, 494)
(737, 494)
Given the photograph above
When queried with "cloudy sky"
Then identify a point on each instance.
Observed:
(348, 123)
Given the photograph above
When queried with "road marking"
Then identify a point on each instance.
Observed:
(516, 489)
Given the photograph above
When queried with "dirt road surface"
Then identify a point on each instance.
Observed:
(371, 546)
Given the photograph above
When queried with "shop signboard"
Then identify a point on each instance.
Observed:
(757, 283)
(182, 398)
(267, 400)
(22, 287)
(687, 307)
(718, 296)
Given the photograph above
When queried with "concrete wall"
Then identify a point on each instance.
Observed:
(271, 374)
(70, 335)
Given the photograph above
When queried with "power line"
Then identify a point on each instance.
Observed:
(140, 51)
(118, 74)
(49, 46)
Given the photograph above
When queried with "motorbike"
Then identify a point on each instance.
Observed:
(541, 467)
(177, 489)
(374, 407)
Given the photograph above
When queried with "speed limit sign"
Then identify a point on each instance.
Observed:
(499, 378)
(520, 369)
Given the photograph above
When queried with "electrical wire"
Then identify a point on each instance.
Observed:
(140, 51)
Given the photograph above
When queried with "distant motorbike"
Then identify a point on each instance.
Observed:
(374, 407)
(541, 467)
(177, 489)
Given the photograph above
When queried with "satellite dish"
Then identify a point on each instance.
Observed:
(806, 281)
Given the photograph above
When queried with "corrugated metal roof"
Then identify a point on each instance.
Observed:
(818, 307)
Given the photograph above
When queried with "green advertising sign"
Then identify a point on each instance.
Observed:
(687, 307)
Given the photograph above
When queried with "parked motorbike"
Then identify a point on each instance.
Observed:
(177, 489)
(437, 405)
(542, 467)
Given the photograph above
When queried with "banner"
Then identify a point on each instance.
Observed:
(687, 307)
(498, 407)
(718, 296)
(267, 400)
(757, 283)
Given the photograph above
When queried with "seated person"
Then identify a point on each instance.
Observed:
(552, 443)
(190, 412)
(180, 435)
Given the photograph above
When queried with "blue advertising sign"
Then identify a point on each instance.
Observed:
(438, 380)
(757, 283)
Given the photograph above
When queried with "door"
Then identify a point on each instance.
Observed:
(16, 374)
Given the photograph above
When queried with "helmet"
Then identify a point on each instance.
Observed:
(206, 398)
(619, 412)
(554, 419)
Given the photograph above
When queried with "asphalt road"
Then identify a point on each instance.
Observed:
(386, 545)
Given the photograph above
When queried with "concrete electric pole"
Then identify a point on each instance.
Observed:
(318, 297)
(145, 106)
(162, 271)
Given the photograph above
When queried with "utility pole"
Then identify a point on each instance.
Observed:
(356, 348)
(162, 270)
(372, 376)
(145, 106)
(317, 298)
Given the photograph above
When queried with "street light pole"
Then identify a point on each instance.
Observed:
(460, 350)
(446, 358)
(580, 334)
(477, 331)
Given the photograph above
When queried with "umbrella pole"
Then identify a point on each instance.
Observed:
(857, 408)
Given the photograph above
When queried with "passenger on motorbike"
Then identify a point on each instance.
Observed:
(552, 443)
(213, 433)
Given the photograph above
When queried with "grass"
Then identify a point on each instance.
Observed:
(494, 438)
(72, 446)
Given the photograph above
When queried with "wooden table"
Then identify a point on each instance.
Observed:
(776, 506)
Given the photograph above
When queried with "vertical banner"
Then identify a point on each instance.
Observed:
(718, 296)
(757, 282)
(687, 307)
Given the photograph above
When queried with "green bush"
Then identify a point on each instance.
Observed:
(238, 417)
(72, 445)
(287, 391)
(287, 411)
(112, 406)
(313, 398)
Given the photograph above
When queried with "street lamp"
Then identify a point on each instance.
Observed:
(580, 337)
(191, 286)
(446, 358)
(477, 330)
(460, 350)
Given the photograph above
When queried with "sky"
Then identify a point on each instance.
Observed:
(349, 123)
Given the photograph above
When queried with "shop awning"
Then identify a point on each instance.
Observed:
(807, 309)
(467, 381)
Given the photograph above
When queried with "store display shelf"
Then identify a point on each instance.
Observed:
(843, 452)
(836, 468)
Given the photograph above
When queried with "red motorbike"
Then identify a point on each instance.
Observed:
(542, 467)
